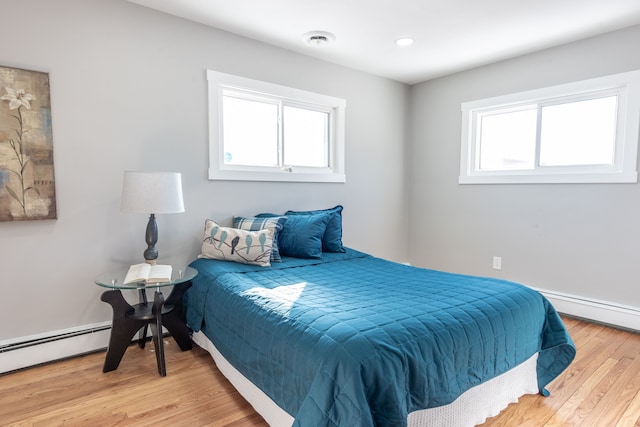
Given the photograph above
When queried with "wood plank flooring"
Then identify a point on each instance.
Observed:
(601, 388)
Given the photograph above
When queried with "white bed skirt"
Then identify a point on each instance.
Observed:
(472, 407)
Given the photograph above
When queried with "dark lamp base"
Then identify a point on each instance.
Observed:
(151, 237)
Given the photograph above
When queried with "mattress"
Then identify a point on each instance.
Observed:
(356, 340)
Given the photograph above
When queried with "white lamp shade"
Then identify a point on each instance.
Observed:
(152, 192)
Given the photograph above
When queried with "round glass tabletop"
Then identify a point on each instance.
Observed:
(115, 280)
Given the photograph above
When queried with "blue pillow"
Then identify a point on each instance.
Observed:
(301, 235)
(332, 239)
(256, 224)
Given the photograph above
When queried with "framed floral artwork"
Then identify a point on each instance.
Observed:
(27, 180)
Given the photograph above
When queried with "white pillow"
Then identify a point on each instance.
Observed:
(233, 244)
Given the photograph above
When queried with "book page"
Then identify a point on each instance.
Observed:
(137, 273)
(159, 274)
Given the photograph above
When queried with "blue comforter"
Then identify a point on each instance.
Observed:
(354, 340)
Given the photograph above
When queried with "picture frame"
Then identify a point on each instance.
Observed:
(27, 178)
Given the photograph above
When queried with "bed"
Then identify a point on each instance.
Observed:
(348, 339)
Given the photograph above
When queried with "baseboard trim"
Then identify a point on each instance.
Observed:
(606, 312)
(34, 350)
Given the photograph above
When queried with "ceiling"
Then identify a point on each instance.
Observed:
(450, 35)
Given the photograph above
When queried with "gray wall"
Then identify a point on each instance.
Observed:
(579, 239)
(128, 92)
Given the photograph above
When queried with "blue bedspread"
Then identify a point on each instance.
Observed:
(354, 340)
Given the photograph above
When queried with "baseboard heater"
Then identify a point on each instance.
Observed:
(34, 350)
(38, 341)
(605, 312)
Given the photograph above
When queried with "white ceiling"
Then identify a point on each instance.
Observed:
(450, 35)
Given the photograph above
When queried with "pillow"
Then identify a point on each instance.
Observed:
(255, 224)
(301, 235)
(232, 244)
(332, 239)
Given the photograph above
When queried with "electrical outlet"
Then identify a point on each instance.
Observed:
(497, 263)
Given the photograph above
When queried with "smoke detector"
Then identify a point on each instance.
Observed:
(318, 38)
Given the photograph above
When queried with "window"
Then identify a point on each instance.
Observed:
(265, 132)
(579, 132)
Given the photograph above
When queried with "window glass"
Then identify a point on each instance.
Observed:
(254, 145)
(306, 137)
(508, 140)
(579, 133)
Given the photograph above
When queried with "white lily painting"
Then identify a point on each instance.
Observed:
(27, 180)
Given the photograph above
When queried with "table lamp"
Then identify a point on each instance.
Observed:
(152, 193)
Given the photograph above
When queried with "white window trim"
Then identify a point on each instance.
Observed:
(218, 170)
(626, 85)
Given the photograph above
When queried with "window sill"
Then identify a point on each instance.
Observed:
(591, 178)
(218, 175)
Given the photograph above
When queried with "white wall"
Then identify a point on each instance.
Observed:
(581, 240)
(128, 92)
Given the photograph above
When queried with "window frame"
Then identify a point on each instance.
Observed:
(626, 86)
(219, 82)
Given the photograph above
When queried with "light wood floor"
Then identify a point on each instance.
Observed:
(601, 388)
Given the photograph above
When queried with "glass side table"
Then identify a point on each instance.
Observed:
(129, 319)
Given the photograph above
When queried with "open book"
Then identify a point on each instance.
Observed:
(148, 273)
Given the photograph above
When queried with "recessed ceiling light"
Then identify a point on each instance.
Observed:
(318, 38)
(405, 41)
